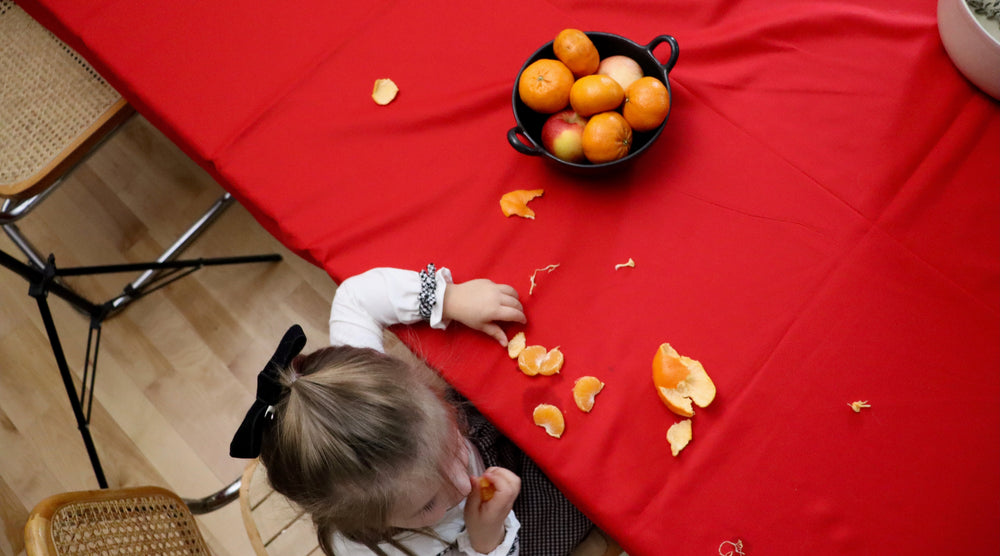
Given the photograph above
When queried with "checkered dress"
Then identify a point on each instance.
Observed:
(550, 524)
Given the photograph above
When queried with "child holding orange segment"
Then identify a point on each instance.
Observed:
(380, 452)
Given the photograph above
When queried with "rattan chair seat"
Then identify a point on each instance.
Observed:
(52, 104)
(141, 520)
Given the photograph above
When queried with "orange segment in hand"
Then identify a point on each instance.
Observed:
(535, 360)
(516, 202)
(549, 418)
(585, 389)
(680, 380)
(486, 489)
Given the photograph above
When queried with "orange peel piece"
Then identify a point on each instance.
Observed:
(486, 489)
(585, 389)
(516, 345)
(384, 91)
(550, 418)
(859, 405)
(536, 360)
(628, 264)
(678, 435)
(549, 268)
(516, 202)
(680, 380)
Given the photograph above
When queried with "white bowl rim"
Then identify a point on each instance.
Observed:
(979, 24)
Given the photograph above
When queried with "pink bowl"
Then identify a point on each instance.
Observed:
(974, 51)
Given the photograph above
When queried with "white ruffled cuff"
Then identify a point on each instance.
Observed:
(442, 279)
(511, 527)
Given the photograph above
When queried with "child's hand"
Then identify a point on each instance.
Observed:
(484, 519)
(479, 303)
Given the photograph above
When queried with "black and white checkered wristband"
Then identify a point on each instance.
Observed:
(428, 286)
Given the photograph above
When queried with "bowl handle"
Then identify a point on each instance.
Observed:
(515, 141)
(673, 50)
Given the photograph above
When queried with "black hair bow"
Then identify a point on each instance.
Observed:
(246, 441)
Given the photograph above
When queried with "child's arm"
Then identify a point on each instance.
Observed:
(369, 302)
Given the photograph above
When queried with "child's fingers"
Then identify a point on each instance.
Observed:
(495, 332)
(510, 314)
(504, 480)
(509, 290)
(511, 301)
(476, 494)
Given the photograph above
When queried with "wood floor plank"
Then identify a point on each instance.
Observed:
(176, 370)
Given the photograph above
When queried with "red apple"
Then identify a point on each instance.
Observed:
(562, 135)
(622, 69)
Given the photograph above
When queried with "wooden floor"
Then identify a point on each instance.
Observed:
(176, 370)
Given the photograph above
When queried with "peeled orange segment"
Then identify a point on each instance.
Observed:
(585, 389)
(516, 202)
(550, 418)
(678, 435)
(516, 345)
(535, 360)
(486, 489)
(680, 380)
(384, 91)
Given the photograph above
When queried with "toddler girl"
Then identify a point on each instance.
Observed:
(378, 450)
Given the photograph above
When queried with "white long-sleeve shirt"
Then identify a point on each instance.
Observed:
(363, 306)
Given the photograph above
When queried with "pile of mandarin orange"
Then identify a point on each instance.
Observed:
(611, 111)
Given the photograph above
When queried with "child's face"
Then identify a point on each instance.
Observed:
(426, 504)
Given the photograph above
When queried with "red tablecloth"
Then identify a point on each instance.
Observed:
(818, 224)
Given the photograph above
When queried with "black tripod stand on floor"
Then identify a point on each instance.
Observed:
(44, 281)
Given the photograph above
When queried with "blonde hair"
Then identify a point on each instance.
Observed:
(352, 429)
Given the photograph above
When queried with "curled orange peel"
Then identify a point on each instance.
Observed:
(680, 380)
(549, 268)
(859, 405)
(628, 264)
(515, 203)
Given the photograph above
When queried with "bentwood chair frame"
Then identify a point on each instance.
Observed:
(55, 110)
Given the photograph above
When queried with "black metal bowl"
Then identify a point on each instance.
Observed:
(529, 123)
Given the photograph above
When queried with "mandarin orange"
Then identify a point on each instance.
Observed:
(575, 49)
(544, 86)
(592, 94)
(647, 104)
(606, 137)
